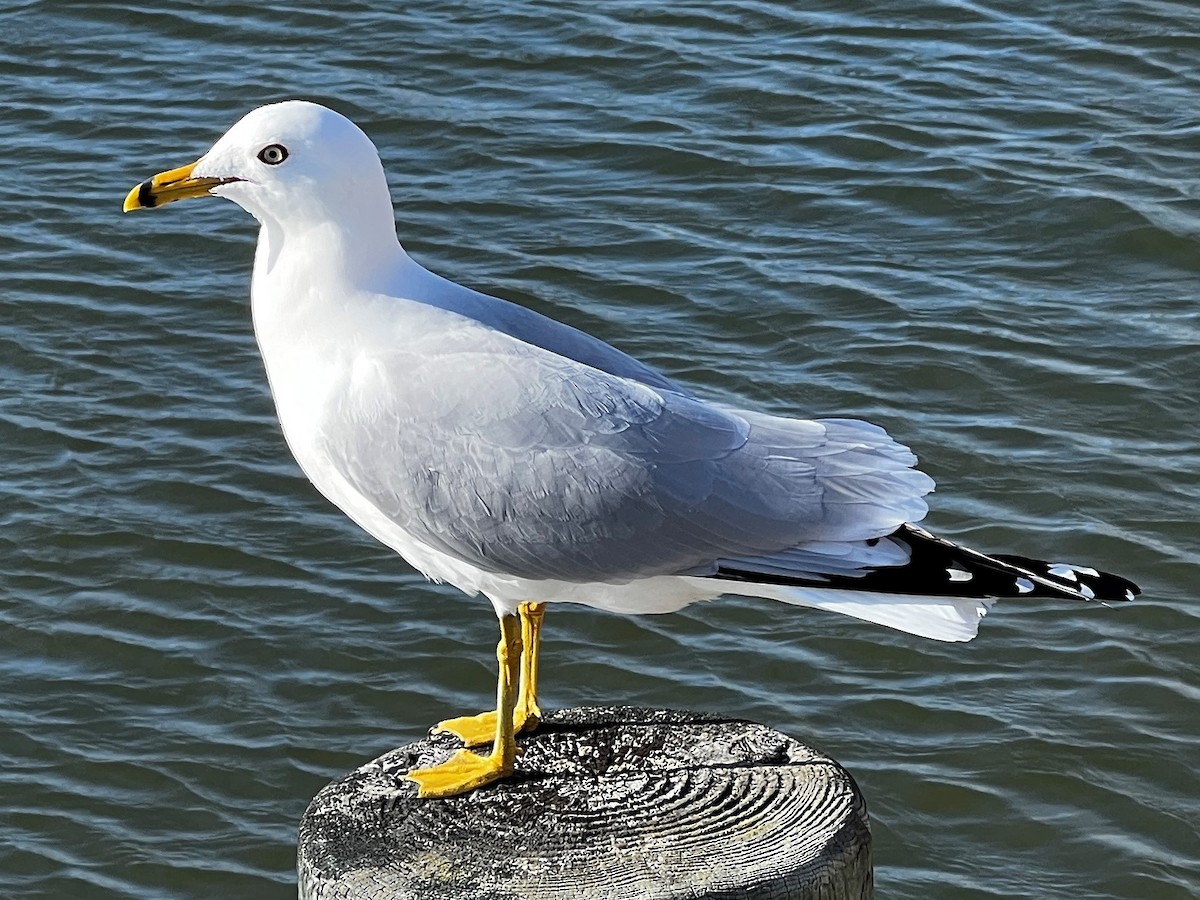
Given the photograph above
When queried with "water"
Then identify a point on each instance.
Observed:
(972, 223)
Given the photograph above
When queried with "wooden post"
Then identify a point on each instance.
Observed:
(613, 803)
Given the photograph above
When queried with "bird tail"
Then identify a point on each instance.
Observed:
(939, 618)
(939, 591)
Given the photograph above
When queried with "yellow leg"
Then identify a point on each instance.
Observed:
(531, 636)
(465, 771)
(476, 730)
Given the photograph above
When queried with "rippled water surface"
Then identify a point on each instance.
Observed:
(972, 223)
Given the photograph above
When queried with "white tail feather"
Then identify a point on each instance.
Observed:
(939, 618)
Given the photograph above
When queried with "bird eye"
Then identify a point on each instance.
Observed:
(273, 154)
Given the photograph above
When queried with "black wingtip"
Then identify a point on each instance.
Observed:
(1091, 583)
(940, 568)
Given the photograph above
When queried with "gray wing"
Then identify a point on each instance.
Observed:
(530, 327)
(524, 462)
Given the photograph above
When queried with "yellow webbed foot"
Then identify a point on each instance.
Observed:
(462, 772)
(481, 728)
(472, 730)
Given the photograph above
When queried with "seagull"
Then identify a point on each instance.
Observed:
(516, 457)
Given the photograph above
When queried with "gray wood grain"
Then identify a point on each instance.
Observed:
(614, 803)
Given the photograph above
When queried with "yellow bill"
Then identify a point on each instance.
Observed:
(167, 187)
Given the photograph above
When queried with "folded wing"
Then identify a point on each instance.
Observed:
(524, 462)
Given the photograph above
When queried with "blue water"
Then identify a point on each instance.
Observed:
(975, 224)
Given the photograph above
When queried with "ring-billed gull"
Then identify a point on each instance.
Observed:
(516, 457)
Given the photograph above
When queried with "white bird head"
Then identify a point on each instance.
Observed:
(292, 165)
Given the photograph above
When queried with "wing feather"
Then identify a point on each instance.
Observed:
(523, 462)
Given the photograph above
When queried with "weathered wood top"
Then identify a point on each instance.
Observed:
(606, 803)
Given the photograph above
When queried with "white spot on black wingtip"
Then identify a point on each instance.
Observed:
(1062, 570)
(959, 574)
(1128, 594)
(1086, 570)
(1024, 585)
(1087, 592)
